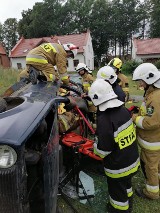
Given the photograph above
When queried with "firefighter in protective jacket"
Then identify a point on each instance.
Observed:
(108, 74)
(116, 145)
(44, 57)
(87, 80)
(148, 129)
(116, 63)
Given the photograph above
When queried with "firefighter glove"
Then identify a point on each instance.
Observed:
(71, 104)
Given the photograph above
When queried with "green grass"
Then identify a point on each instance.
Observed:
(9, 77)
(101, 197)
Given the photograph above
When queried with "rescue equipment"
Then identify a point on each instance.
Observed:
(84, 145)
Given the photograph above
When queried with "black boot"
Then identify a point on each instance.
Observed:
(139, 193)
(33, 75)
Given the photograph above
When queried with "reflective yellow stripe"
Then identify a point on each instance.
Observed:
(100, 153)
(153, 189)
(123, 127)
(126, 137)
(52, 77)
(130, 194)
(125, 89)
(48, 47)
(119, 205)
(90, 103)
(123, 172)
(86, 84)
(64, 77)
(103, 75)
(64, 122)
(143, 109)
(42, 61)
(148, 145)
(97, 153)
(139, 121)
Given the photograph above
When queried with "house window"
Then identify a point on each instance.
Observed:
(19, 66)
(67, 63)
(75, 62)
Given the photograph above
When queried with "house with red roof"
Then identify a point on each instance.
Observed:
(146, 50)
(82, 40)
(4, 60)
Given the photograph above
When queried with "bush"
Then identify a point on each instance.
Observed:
(129, 66)
(157, 64)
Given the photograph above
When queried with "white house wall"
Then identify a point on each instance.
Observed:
(14, 62)
(78, 57)
(70, 67)
(89, 54)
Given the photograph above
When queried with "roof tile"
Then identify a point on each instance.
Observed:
(147, 46)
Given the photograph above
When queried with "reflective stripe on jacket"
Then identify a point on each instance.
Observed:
(49, 53)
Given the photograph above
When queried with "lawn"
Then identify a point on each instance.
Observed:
(7, 78)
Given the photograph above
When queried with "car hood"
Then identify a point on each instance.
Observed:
(18, 123)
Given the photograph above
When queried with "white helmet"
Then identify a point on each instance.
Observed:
(82, 66)
(148, 73)
(107, 73)
(102, 95)
(71, 47)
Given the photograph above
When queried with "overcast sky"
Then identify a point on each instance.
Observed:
(13, 8)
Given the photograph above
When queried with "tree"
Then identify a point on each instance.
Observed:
(154, 22)
(1, 32)
(101, 28)
(127, 17)
(10, 34)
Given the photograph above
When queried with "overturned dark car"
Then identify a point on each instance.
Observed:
(29, 150)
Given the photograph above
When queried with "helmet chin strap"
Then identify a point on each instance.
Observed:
(145, 90)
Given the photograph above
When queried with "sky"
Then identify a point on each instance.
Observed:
(13, 8)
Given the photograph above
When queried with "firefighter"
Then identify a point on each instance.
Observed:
(67, 118)
(148, 128)
(108, 74)
(116, 145)
(86, 75)
(116, 63)
(41, 60)
(87, 80)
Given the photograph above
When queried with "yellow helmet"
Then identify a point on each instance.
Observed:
(115, 63)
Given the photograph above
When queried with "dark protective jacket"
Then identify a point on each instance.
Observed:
(116, 142)
(118, 91)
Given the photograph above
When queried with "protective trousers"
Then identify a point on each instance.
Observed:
(150, 163)
(120, 194)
